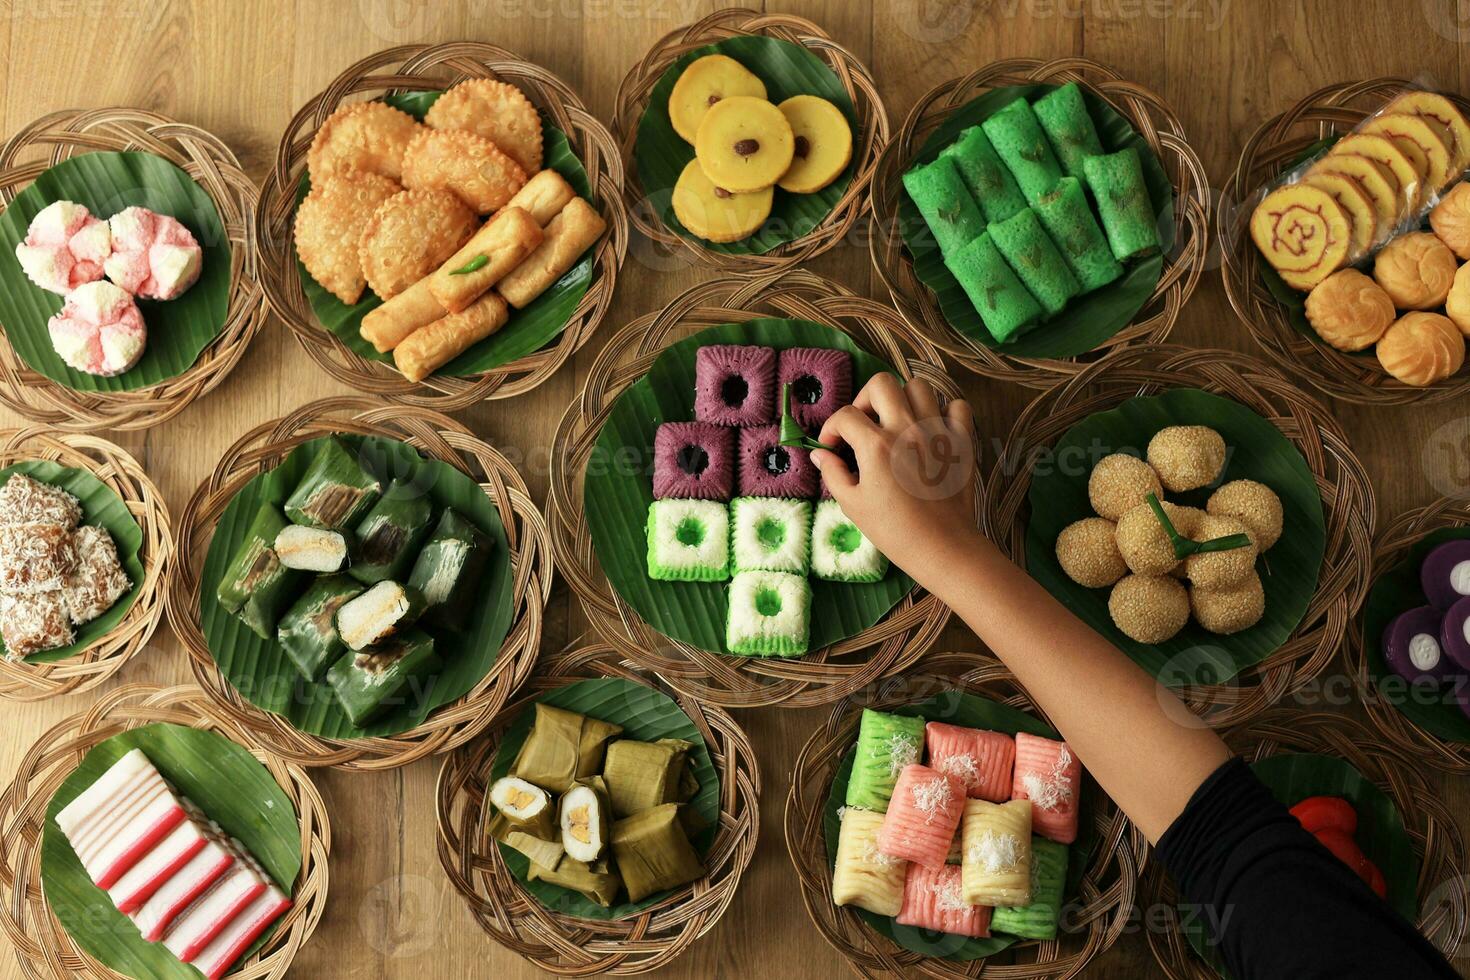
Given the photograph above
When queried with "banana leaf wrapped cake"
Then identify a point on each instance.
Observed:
(308, 631)
(335, 491)
(257, 587)
(391, 532)
(448, 569)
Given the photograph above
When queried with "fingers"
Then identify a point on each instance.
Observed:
(961, 418)
(883, 396)
(835, 474)
(923, 400)
(849, 426)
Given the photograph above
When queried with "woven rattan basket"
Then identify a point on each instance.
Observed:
(871, 135)
(822, 676)
(1432, 829)
(436, 437)
(41, 944)
(1271, 149)
(120, 473)
(1154, 121)
(570, 946)
(1347, 497)
(1094, 919)
(419, 68)
(70, 133)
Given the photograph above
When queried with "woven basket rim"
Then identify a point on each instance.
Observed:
(567, 945)
(215, 168)
(1356, 379)
(436, 436)
(1108, 886)
(41, 945)
(117, 470)
(1431, 827)
(637, 86)
(1348, 500)
(732, 681)
(424, 67)
(1151, 117)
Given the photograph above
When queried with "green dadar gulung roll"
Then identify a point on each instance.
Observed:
(1002, 301)
(1067, 218)
(990, 183)
(1117, 184)
(947, 207)
(1017, 137)
(1068, 125)
(1030, 252)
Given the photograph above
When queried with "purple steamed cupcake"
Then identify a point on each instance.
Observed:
(820, 380)
(735, 385)
(694, 460)
(769, 469)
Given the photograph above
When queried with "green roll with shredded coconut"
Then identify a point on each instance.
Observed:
(885, 744)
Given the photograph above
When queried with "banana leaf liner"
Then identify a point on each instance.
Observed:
(1103, 864)
(51, 910)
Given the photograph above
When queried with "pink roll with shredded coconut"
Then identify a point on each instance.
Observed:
(153, 255)
(99, 330)
(65, 247)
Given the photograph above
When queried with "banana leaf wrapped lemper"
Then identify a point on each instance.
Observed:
(525, 819)
(653, 852)
(256, 587)
(583, 818)
(371, 682)
(563, 747)
(598, 881)
(389, 536)
(308, 631)
(335, 492)
(641, 775)
(448, 568)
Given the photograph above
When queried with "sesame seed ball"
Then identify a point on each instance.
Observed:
(1088, 553)
(1221, 569)
(1186, 457)
(1253, 504)
(1231, 609)
(1149, 608)
(1144, 544)
(1119, 483)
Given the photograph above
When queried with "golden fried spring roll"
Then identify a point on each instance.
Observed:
(386, 326)
(429, 348)
(567, 237)
(543, 196)
(500, 245)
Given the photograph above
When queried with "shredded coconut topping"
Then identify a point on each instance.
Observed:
(933, 797)
(996, 853)
(1053, 790)
(963, 767)
(947, 894)
(903, 750)
(876, 858)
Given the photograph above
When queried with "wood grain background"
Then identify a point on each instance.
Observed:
(240, 69)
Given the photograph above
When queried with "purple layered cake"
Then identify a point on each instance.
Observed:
(769, 469)
(820, 380)
(735, 385)
(694, 460)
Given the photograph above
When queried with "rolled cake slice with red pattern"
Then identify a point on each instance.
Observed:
(1303, 232)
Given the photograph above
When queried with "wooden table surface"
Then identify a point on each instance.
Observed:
(241, 69)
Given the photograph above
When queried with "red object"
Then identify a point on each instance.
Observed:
(1375, 880)
(141, 846)
(1319, 813)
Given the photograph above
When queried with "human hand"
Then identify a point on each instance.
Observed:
(913, 494)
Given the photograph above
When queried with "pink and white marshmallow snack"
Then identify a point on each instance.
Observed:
(64, 247)
(99, 330)
(153, 255)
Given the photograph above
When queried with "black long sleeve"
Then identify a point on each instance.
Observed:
(1279, 904)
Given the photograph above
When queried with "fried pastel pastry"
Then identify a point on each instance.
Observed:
(97, 580)
(1349, 310)
(543, 196)
(1359, 208)
(35, 557)
(24, 500)
(471, 166)
(1303, 232)
(1420, 349)
(1434, 106)
(1425, 142)
(410, 235)
(1416, 270)
(34, 623)
(496, 110)
(1450, 220)
(501, 244)
(330, 223)
(428, 349)
(366, 137)
(566, 237)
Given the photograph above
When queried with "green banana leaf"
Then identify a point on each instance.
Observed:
(786, 69)
(1398, 590)
(106, 182)
(1088, 321)
(526, 331)
(225, 781)
(1256, 451)
(645, 714)
(617, 496)
(971, 711)
(102, 507)
(1293, 303)
(1292, 778)
(262, 672)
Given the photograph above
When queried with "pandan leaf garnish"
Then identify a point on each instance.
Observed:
(1184, 547)
(792, 433)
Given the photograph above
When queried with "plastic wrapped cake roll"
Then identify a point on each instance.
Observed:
(399, 672)
(933, 899)
(862, 875)
(597, 882)
(428, 349)
(1068, 219)
(988, 180)
(334, 492)
(1117, 184)
(1049, 775)
(255, 586)
(1004, 303)
(1068, 125)
(447, 571)
(886, 743)
(979, 760)
(388, 537)
(501, 244)
(1018, 139)
(308, 631)
(567, 236)
(653, 852)
(1303, 232)
(996, 864)
(1039, 919)
(1034, 257)
(953, 217)
(641, 775)
(922, 816)
(562, 748)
